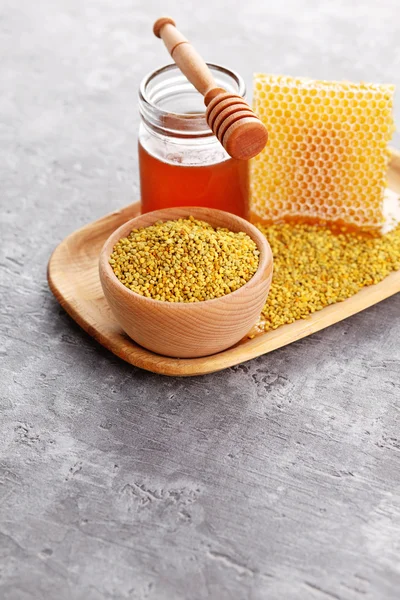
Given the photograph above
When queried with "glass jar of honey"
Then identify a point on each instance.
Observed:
(181, 162)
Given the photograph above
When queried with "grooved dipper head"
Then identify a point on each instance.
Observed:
(235, 125)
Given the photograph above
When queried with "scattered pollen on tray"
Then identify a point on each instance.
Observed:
(314, 268)
(184, 260)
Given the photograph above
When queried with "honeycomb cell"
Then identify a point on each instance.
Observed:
(327, 156)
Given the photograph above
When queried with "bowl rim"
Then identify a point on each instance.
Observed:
(266, 258)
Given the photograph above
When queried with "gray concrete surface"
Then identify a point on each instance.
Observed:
(277, 479)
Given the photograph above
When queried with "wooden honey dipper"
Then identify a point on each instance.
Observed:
(228, 115)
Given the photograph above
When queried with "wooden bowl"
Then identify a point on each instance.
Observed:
(182, 329)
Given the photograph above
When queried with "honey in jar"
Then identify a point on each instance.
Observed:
(181, 163)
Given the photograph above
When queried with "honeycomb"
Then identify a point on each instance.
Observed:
(327, 156)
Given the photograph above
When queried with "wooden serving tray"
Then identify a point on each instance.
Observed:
(74, 280)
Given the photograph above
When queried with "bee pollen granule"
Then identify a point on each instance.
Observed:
(184, 260)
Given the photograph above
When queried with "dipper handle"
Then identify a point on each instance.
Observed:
(187, 58)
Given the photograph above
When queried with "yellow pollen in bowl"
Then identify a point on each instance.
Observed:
(184, 260)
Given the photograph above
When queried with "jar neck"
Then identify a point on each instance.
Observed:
(182, 151)
(170, 106)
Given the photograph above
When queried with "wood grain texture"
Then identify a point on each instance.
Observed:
(187, 330)
(239, 130)
(74, 280)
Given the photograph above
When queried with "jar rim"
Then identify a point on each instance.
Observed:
(173, 67)
(175, 123)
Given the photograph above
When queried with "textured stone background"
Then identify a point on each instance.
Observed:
(277, 479)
